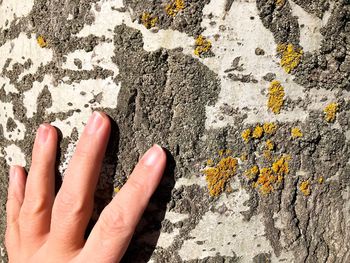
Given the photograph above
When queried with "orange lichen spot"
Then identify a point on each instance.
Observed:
(252, 172)
(203, 46)
(258, 132)
(175, 7)
(280, 2)
(276, 97)
(290, 56)
(280, 166)
(331, 112)
(116, 190)
(271, 177)
(296, 133)
(41, 41)
(228, 152)
(270, 145)
(321, 180)
(224, 152)
(267, 155)
(217, 177)
(149, 20)
(210, 162)
(266, 180)
(279, 178)
(269, 127)
(305, 188)
(246, 135)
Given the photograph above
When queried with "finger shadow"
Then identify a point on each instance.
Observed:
(147, 233)
(58, 177)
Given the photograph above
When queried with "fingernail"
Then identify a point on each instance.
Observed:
(43, 133)
(12, 174)
(94, 123)
(151, 157)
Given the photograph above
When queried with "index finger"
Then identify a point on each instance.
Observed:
(113, 231)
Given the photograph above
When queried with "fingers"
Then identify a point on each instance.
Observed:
(74, 202)
(39, 194)
(112, 233)
(15, 197)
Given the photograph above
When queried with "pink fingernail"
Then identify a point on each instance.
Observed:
(43, 133)
(94, 123)
(151, 157)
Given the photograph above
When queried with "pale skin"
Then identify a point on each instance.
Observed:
(44, 227)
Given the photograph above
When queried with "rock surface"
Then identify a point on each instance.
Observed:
(250, 98)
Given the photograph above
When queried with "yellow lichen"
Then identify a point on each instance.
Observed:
(228, 151)
(280, 166)
(210, 162)
(267, 155)
(270, 145)
(252, 172)
(217, 177)
(258, 132)
(270, 177)
(246, 135)
(175, 7)
(266, 180)
(305, 188)
(321, 180)
(41, 41)
(280, 2)
(203, 45)
(331, 112)
(149, 20)
(224, 152)
(276, 97)
(290, 56)
(269, 127)
(296, 133)
(116, 190)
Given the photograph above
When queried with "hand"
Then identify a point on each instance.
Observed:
(45, 228)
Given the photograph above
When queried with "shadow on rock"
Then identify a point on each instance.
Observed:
(148, 230)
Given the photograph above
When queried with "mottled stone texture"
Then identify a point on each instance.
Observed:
(105, 55)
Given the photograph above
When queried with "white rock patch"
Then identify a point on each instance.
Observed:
(12, 9)
(20, 50)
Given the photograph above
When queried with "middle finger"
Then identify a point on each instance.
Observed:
(74, 202)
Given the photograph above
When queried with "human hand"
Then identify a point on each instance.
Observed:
(45, 228)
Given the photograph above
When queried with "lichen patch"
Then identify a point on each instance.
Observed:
(203, 46)
(276, 97)
(330, 112)
(218, 177)
(290, 56)
(296, 133)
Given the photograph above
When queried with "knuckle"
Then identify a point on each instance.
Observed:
(34, 205)
(113, 222)
(136, 186)
(69, 203)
